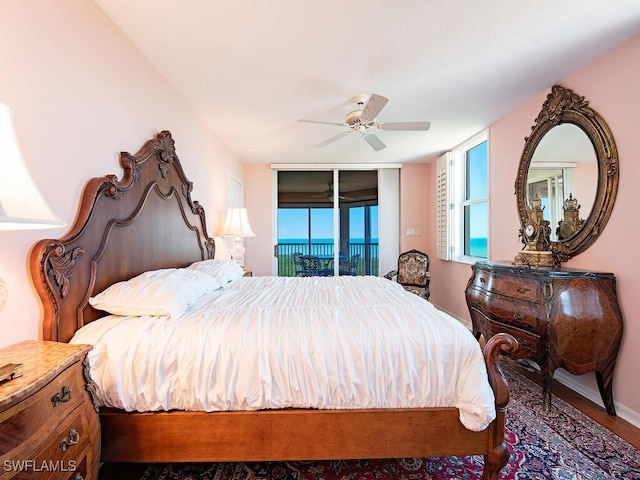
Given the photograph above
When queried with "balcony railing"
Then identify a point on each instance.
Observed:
(368, 265)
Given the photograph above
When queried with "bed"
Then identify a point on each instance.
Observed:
(146, 222)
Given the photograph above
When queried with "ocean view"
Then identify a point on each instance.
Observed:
(322, 246)
(478, 247)
(321, 240)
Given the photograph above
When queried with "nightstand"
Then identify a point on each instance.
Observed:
(248, 273)
(49, 427)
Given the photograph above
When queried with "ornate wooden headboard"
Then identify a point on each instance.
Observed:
(145, 221)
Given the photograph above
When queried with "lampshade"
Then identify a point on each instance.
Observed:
(21, 204)
(237, 224)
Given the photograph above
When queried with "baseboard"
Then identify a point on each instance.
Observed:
(623, 412)
(569, 381)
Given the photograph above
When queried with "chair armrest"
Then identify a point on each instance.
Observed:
(391, 274)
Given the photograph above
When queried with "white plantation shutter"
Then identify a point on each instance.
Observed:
(444, 225)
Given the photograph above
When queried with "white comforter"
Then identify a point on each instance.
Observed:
(268, 343)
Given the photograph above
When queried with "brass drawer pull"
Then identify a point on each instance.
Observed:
(518, 316)
(62, 397)
(522, 290)
(74, 437)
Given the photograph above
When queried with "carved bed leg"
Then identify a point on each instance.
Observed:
(497, 452)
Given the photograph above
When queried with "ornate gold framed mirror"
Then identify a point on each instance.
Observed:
(569, 166)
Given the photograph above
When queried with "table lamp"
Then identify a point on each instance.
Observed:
(21, 204)
(237, 225)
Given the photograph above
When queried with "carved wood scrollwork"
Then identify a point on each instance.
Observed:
(210, 245)
(90, 385)
(113, 189)
(564, 106)
(61, 264)
(167, 153)
(129, 161)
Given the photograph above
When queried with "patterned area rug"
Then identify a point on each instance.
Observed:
(563, 444)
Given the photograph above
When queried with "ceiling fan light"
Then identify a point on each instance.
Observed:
(353, 118)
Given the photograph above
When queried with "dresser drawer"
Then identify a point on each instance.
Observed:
(64, 448)
(526, 289)
(62, 455)
(25, 425)
(530, 345)
(529, 316)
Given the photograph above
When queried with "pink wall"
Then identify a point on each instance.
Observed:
(258, 199)
(80, 94)
(416, 199)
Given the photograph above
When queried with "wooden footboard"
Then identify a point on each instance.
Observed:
(296, 434)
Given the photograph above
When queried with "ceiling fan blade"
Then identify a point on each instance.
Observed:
(334, 138)
(404, 126)
(320, 121)
(373, 107)
(374, 141)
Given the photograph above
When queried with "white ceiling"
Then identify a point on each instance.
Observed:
(252, 68)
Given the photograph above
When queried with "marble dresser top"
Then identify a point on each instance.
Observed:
(42, 362)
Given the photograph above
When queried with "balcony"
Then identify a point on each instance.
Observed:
(368, 254)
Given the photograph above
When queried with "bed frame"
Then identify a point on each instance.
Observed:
(147, 220)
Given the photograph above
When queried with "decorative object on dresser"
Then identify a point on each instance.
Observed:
(413, 272)
(535, 236)
(147, 221)
(566, 128)
(562, 318)
(48, 423)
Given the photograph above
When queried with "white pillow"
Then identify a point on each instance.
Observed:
(158, 292)
(224, 271)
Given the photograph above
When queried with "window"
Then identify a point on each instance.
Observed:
(462, 201)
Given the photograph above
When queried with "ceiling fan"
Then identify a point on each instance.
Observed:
(363, 121)
(328, 193)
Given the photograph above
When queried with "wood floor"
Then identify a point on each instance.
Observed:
(618, 426)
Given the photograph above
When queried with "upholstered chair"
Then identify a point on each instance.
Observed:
(413, 272)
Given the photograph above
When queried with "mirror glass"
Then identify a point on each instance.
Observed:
(563, 163)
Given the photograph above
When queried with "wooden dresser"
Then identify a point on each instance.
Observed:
(562, 318)
(49, 427)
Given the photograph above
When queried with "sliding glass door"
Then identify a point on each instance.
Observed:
(327, 223)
